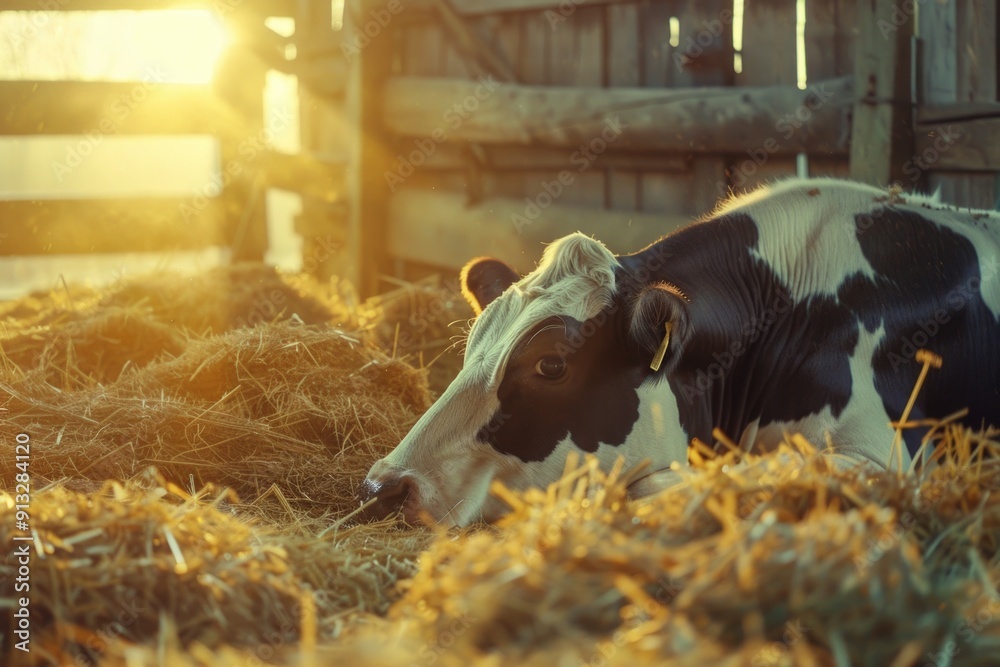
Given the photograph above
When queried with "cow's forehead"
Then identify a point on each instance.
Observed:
(575, 278)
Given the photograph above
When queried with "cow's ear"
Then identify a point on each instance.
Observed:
(658, 324)
(484, 279)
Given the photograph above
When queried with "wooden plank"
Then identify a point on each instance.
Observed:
(305, 174)
(561, 57)
(940, 113)
(698, 120)
(586, 31)
(706, 44)
(535, 35)
(655, 41)
(958, 85)
(437, 228)
(423, 49)
(704, 53)
(59, 227)
(977, 55)
(882, 132)
(972, 145)
(259, 7)
(563, 8)
(588, 47)
(112, 107)
(501, 158)
(938, 78)
(769, 51)
(623, 45)
(830, 35)
(769, 57)
(977, 82)
(368, 192)
(623, 66)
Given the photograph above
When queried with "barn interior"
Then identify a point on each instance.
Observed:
(230, 238)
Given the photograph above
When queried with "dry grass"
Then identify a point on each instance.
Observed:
(202, 494)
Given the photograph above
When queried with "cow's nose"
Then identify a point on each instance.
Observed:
(386, 496)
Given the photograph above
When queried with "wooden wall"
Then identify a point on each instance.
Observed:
(667, 44)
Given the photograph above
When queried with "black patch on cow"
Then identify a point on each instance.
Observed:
(754, 352)
(927, 295)
(596, 401)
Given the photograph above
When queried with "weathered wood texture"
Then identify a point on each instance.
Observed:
(60, 226)
(438, 228)
(958, 76)
(830, 36)
(683, 120)
(105, 107)
(882, 133)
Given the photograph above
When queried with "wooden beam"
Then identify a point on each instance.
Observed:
(536, 158)
(941, 113)
(775, 119)
(473, 7)
(972, 145)
(436, 228)
(370, 157)
(106, 107)
(259, 7)
(304, 174)
(58, 227)
(882, 132)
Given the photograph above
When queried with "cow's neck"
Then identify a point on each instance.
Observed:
(730, 299)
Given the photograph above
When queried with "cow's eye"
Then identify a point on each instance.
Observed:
(551, 367)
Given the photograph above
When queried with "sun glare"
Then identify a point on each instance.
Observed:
(181, 46)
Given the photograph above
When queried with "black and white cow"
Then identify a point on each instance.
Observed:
(796, 308)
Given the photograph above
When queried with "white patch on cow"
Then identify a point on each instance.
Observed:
(576, 278)
(808, 232)
(863, 423)
(807, 240)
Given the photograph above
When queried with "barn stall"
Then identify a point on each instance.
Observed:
(190, 438)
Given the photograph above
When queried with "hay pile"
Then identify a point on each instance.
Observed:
(191, 511)
(306, 409)
(776, 560)
(422, 323)
(77, 336)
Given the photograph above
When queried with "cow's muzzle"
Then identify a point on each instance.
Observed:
(386, 497)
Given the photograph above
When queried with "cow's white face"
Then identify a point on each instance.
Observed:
(557, 361)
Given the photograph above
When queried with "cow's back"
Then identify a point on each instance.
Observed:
(872, 278)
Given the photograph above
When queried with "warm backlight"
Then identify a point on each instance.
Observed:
(182, 46)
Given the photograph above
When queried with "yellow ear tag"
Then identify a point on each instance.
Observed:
(658, 357)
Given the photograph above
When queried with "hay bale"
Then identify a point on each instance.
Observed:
(74, 338)
(81, 350)
(779, 560)
(121, 561)
(737, 556)
(423, 323)
(224, 298)
(306, 409)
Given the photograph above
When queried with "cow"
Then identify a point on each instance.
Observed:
(796, 308)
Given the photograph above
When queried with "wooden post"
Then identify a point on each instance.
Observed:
(958, 65)
(239, 82)
(882, 131)
(370, 156)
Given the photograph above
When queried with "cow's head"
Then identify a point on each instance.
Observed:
(556, 361)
